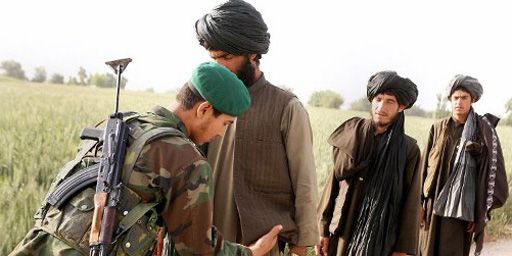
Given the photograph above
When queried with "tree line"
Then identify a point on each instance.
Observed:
(14, 69)
(332, 99)
(325, 98)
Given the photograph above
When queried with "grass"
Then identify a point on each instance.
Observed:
(40, 125)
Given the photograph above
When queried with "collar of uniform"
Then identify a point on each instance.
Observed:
(258, 84)
(172, 119)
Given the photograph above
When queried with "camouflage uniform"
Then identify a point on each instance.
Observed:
(171, 171)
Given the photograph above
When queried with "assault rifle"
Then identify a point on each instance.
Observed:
(108, 186)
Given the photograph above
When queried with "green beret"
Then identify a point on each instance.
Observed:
(221, 88)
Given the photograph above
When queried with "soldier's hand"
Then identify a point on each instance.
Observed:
(323, 247)
(266, 242)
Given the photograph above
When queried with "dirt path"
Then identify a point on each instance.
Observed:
(498, 248)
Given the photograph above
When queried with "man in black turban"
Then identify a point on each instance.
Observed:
(371, 199)
(467, 83)
(464, 175)
(403, 89)
(264, 168)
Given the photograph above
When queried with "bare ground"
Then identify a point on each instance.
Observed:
(498, 248)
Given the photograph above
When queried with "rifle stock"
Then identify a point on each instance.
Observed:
(100, 200)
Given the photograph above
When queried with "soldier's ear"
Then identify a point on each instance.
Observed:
(203, 109)
(401, 108)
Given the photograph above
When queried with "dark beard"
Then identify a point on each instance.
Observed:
(246, 73)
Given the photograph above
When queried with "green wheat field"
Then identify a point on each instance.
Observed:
(39, 133)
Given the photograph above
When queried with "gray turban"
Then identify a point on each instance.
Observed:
(390, 82)
(234, 27)
(467, 83)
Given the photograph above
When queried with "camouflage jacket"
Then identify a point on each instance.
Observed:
(173, 171)
(169, 171)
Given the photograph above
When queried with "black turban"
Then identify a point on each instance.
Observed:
(390, 82)
(234, 27)
(467, 83)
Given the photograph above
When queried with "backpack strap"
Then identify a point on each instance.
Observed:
(133, 216)
(138, 144)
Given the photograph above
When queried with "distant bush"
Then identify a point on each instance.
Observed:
(39, 75)
(416, 110)
(361, 104)
(13, 69)
(441, 110)
(106, 80)
(326, 99)
(57, 79)
(82, 76)
(72, 80)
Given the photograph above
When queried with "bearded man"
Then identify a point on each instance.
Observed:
(264, 167)
(371, 199)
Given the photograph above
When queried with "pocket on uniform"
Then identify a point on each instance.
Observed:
(140, 238)
(77, 219)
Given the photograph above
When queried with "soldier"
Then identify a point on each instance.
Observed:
(170, 185)
(463, 173)
(264, 166)
(371, 199)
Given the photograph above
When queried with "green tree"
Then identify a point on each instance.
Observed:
(13, 69)
(72, 80)
(57, 79)
(441, 110)
(103, 80)
(361, 104)
(82, 76)
(416, 110)
(106, 80)
(326, 99)
(39, 75)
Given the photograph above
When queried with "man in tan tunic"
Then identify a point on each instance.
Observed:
(370, 202)
(264, 166)
(463, 173)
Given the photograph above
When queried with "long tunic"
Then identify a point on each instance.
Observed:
(353, 142)
(233, 186)
(449, 236)
(173, 171)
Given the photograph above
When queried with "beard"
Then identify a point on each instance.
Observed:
(246, 73)
(384, 123)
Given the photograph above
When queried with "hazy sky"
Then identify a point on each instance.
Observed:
(315, 45)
